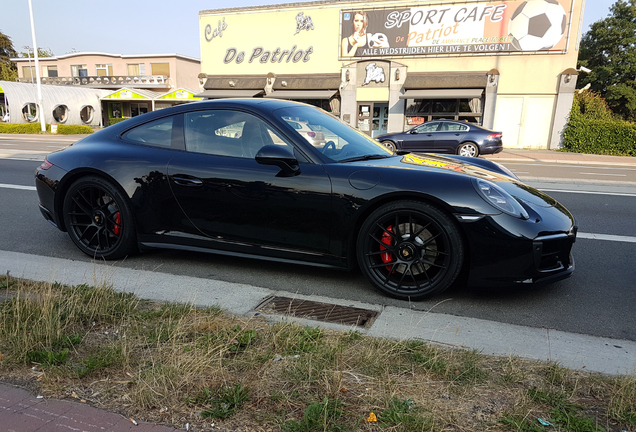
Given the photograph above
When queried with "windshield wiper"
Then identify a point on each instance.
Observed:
(365, 158)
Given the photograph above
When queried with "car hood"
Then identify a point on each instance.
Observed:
(476, 169)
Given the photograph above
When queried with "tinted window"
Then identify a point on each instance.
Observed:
(158, 132)
(227, 133)
(454, 127)
(428, 127)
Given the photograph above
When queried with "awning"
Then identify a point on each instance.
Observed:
(224, 93)
(442, 94)
(301, 94)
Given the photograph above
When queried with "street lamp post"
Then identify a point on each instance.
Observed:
(37, 71)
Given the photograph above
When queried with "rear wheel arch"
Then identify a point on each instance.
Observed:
(71, 178)
(98, 217)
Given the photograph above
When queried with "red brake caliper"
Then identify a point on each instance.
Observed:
(387, 257)
(117, 227)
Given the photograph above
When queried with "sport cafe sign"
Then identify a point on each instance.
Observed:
(465, 28)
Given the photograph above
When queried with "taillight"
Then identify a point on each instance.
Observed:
(46, 165)
(311, 134)
(494, 136)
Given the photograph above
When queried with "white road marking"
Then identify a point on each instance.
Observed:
(10, 186)
(615, 175)
(608, 237)
(8, 144)
(589, 192)
(566, 165)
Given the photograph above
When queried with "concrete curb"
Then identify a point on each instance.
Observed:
(574, 351)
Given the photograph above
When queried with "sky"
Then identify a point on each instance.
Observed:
(138, 27)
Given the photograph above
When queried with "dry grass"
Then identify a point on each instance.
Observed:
(174, 364)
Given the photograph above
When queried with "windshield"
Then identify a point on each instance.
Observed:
(336, 140)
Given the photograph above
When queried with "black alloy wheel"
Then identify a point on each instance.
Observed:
(98, 219)
(410, 250)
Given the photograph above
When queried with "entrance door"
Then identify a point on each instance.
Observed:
(380, 119)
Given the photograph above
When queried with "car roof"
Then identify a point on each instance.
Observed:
(264, 106)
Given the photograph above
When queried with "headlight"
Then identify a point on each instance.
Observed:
(500, 199)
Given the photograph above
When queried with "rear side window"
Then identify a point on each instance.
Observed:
(454, 127)
(157, 133)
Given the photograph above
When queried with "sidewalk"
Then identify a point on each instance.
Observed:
(42, 137)
(20, 411)
(553, 156)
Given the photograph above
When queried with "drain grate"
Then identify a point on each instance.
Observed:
(318, 311)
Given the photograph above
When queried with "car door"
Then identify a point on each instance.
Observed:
(421, 138)
(229, 197)
(449, 136)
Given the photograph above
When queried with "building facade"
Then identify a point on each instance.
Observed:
(126, 86)
(386, 66)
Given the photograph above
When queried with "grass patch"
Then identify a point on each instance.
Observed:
(172, 363)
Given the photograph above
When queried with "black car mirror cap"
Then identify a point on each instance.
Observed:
(413, 131)
(279, 156)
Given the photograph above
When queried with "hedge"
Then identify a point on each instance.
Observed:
(34, 128)
(609, 137)
(22, 128)
(74, 129)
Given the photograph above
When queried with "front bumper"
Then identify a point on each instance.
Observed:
(502, 254)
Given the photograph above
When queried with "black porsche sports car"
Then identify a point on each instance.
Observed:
(234, 177)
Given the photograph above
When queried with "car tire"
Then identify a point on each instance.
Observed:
(390, 145)
(410, 250)
(98, 219)
(468, 149)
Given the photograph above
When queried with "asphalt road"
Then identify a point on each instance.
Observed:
(599, 299)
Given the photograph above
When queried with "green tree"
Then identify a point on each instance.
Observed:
(42, 52)
(8, 69)
(609, 50)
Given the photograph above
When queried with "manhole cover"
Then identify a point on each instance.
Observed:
(318, 311)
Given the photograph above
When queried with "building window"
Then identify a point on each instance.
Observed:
(136, 69)
(104, 69)
(28, 72)
(79, 70)
(160, 69)
(419, 111)
(30, 112)
(138, 108)
(60, 113)
(86, 114)
(49, 71)
(115, 110)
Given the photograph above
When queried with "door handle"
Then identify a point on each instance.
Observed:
(184, 181)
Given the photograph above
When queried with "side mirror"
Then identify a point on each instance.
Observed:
(279, 156)
(413, 131)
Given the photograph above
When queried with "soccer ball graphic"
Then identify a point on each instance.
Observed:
(537, 25)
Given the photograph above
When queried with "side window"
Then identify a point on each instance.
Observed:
(428, 127)
(228, 133)
(454, 127)
(158, 132)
